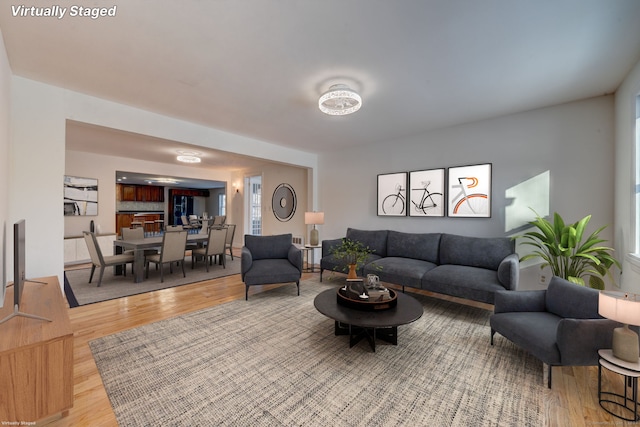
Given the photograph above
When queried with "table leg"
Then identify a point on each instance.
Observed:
(138, 266)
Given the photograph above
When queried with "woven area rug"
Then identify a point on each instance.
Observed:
(113, 287)
(274, 361)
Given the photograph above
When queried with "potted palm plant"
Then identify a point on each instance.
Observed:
(352, 253)
(570, 255)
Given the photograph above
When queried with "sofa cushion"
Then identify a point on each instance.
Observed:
(376, 240)
(414, 245)
(533, 331)
(399, 271)
(263, 247)
(484, 252)
(478, 284)
(570, 300)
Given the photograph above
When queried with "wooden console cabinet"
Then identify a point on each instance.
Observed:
(36, 357)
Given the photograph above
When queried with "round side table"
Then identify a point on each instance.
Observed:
(631, 372)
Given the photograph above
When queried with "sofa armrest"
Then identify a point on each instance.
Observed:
(580, 339)
(329, 245)
(295, 257)
(246, 261)
(519, 301)
(509, 272)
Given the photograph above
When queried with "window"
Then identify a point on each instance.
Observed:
(222, 204)
(254, 202)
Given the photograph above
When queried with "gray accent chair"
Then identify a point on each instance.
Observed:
(270, 259)
(559, 325)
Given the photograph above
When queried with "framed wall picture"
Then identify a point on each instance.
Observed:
(392, 194)
(469, 191)
(426, 193)
(80, 196)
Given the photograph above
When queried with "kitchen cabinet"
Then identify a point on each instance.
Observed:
(139, 193)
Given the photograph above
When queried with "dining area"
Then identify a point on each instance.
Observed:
(167, 250)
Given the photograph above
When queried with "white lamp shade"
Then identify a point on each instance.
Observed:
(620, 306)
(313, 218)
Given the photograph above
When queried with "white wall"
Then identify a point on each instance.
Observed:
(625, 131)
(574, 142)
(5, 164)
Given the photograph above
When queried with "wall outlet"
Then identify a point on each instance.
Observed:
(542, 277)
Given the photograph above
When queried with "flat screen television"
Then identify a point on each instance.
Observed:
(19, 271)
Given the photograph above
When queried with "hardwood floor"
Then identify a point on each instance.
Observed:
(572, 401)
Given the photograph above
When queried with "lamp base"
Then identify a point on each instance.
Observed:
(313, 237)
(625, 344)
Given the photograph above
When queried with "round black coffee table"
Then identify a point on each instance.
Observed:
(358, 324)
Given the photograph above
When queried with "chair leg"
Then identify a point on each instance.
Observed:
(93, 268)
(549, 377)
(183, 273)
(223, 258)
(101, 273)
(492, 333)
(320, 275)
(146, 266)
(298, 285)
(246, 293)
(162, 271)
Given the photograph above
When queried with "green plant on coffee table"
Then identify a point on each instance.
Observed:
(563, 249)
(352, 253)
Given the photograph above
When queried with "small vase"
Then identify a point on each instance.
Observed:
(352, 272)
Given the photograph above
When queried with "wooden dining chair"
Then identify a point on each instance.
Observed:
(173, 246)
(99, 260)
(215, 246)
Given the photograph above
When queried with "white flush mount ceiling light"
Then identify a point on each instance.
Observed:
(339, 100)
(188, 157)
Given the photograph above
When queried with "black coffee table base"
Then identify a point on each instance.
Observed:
(357, 333)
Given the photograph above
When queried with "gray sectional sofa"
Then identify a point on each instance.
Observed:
(467, 267)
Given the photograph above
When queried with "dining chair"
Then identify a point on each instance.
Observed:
(174, 228)
(173, 247)
(99, 260)
(219, 219)
(135, 234)
(231, 230)
(185, 223)
(215, 246)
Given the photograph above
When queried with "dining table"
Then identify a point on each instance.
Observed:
(139, 245)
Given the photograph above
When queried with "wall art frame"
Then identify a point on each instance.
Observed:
(392, 194)
(469, 191)
(80, 196)
(427, 193)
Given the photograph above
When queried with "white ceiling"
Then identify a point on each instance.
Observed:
(257, 67)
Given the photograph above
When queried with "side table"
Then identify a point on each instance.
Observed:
(631, 372)
(311, 251)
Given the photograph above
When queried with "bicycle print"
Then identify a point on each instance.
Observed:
(392, 194)
(469, 191)
(427, 188)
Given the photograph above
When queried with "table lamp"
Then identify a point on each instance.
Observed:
(313, 218)
(622, 307)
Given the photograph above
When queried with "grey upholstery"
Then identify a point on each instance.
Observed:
(270, 259)
(173, 247)
(215, 246)
(99, 260)
(465, 267)
(560, 325)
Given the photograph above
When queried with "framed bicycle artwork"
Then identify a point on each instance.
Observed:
(469, 191)
(426, 193)
(392, 194)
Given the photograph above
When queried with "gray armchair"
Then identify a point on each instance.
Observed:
(270, 259)
(560, 325)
